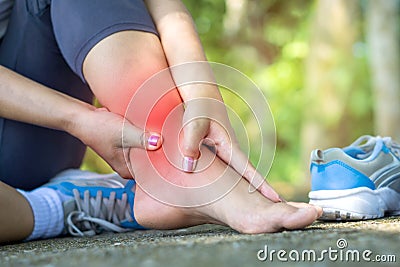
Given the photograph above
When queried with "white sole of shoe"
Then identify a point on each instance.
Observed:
(354, 204)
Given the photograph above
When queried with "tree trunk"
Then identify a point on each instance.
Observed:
(328, 79)
(383, 32)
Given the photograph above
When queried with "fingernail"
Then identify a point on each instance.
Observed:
(189, 164)
(153, 140)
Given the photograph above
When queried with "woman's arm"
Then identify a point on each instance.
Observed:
(181, 44)
(27, 101)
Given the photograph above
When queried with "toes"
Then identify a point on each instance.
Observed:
(319, 210)
(298, 204)
(300, 218)
(277, 217)
(306, 205)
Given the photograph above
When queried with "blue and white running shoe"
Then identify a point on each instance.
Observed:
(361, 181)
(96, 202)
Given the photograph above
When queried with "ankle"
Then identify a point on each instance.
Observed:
(47, 212)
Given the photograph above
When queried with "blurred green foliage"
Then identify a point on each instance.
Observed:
(271, 45)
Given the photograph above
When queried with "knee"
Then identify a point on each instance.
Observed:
(119, 64)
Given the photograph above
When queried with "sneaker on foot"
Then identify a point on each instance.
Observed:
(96, 203)
(361, 181)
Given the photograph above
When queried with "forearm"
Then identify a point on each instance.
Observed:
(24, 100)
(181, 44)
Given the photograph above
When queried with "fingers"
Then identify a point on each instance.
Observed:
(267, 191)
(132, 136)
(151, 141)
(193, 135)
(126, 171)
(136, 137)
(259, 183)
(243, 166)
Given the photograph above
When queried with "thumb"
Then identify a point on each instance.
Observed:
(193, 134)
(133, 136)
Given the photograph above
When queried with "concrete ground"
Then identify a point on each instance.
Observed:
(210, 245)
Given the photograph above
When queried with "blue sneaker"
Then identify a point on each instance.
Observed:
(96, 203)
(361, 181)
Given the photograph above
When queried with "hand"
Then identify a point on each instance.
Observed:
(107, 134)
(206, 122)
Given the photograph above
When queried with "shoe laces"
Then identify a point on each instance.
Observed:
(392, 145)
(367, 144)
(95, 214)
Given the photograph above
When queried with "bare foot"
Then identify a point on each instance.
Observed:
(241, 210)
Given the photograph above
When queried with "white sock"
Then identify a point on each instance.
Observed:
(46, 204)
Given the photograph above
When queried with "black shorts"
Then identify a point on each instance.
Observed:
(47, 41)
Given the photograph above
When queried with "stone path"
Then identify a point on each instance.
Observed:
(210, 245)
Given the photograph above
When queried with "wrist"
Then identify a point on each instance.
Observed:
(194, 91)
(77, 120)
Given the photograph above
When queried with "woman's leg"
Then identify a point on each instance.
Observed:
(16, 217)
(115, 68)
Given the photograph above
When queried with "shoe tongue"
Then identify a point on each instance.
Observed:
(363, 151)
(69, 206)
(354, 152)
(131, 185)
